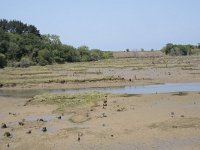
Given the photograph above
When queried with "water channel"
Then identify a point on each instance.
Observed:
(146, 89)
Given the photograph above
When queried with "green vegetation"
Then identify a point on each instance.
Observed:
(180, 94)
(22, 45)
(130, 95)
(3, 61)
(179, 50)
(64, 101)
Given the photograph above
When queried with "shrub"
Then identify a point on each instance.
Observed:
(3, 61)
(25, 62)
(44, 57)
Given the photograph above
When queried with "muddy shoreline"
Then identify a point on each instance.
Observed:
(150, 121)
(111, 122)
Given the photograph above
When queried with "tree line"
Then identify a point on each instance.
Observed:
(181, 50)
(22, 45)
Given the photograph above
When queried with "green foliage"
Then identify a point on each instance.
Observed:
(178, 50)
(107, 55)
(25, 62)
(3, 61)
(23, 46)
(44, 57)
(17, 27)
(64, 101)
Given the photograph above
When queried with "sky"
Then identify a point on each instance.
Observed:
(111, 24)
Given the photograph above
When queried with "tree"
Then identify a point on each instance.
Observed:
(52, 40)
(18, 27)
(13, 51)
(198, 45)
(22, 45)
(3, 61)
(176, 50)
(84, 53)
(44, 57)
(96, 54)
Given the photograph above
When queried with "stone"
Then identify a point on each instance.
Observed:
(7, 134)
(3, 126)
(44, 129)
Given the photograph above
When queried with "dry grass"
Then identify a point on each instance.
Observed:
(91, 71)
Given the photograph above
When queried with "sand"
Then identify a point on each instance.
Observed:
(137, 122)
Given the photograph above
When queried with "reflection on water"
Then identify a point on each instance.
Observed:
(147, 89)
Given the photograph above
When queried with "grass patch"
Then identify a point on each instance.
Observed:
(180, 94)
(64, 101)
(189, 68)
(88, 72)
(130, 95)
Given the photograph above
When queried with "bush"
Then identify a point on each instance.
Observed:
(44, 57)
(107, 55)
(3, 61)
(25, 62)
(177, 50)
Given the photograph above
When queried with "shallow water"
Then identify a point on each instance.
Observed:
(147, 89)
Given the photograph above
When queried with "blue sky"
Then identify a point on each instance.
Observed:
(111, 24)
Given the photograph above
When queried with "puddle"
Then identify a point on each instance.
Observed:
(48, 117)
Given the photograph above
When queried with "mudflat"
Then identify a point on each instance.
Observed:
(150, 121)
(104, 73)
(102, 120)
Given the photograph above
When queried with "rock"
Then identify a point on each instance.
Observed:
(40, 120)
(104, 115)
(28, 132)
(104, 104)
(3, 126)
(174, 126)
(8, 145)
(182, 116)
(1, 85)
(121, 109)
(44, 129)
(79, 139)
(59, 117)
(172, 113)
(21, 123)
(7, 134)
(105, 101)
